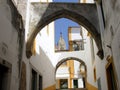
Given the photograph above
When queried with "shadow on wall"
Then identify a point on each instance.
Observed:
(42, 64)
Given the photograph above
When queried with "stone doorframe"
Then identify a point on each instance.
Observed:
(42, 14)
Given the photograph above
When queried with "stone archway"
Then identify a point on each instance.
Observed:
(44, 13)
(70, 58)
(84, 75)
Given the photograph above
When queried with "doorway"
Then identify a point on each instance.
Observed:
(4, 78)
(111, 79)
(34, 80)
(75, 83)
(40, 82)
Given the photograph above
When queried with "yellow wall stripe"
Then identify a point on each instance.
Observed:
(91, 87)
(53, 87)
(84, 1)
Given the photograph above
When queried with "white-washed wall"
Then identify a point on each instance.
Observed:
(9, 43)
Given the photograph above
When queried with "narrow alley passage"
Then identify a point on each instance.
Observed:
(39, 51)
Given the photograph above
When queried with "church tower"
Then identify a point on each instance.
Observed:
(61, 43)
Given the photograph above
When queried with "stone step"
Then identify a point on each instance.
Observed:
(73, 89)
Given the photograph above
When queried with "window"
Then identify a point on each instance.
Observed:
(78, 45)
(75, 83)
(40, 82)
(63, 83)
(76, 40)
(94, 74)
(34, 80)
(4, 78)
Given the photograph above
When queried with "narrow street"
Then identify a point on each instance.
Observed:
(73, 89)
(59, 44)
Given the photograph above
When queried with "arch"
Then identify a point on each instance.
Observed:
(76, 59)
(80, 13)
(70, 58)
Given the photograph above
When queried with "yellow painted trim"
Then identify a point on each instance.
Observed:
(91, 87)
(88, 34)
(69, 33)
(84, 1)
(34, 47)
(71, 70)
(69, 83)
(110, 61)
(69, 38)
(59, 83)
(53, 87)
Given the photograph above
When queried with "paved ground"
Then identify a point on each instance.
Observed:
(73, 89)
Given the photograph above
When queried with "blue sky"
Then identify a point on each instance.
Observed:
(62, 24)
